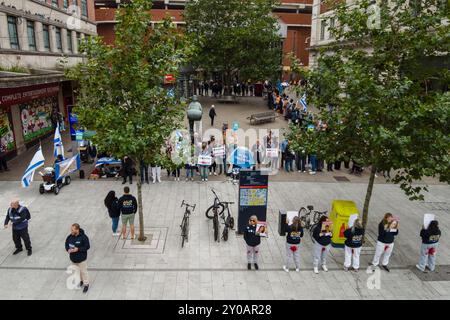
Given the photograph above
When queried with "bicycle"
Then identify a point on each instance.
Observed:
(185, 222)
(305, 217)
(218, 210)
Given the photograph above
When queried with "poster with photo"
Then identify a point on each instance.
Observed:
(36, 117)
(7, 143)
(261, 229)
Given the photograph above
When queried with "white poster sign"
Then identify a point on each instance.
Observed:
(204, 160)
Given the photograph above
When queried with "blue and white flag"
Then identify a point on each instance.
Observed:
(303, 103)
(58, 148)
(37, 161)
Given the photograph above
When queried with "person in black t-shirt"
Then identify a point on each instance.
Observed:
(430, 242)
(252, 241)
(353, 244)
(294, 234)
(387, 231)
(128, 208)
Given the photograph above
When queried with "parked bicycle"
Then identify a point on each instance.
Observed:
(216, 211)
(185, 222)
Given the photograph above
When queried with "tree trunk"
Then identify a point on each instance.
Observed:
(368, 196)
(142, 236)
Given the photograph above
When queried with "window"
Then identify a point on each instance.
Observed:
(12, 30)
(66, 4)
(46, 36)
(31, 36)
(55, 3)
(69, 41)
(84, 8)
(58, 39)
(323, 26)
(332, 25)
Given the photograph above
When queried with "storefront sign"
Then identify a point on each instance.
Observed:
(12, 96)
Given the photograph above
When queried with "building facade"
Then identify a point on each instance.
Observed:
(38, 39)
(294, 17)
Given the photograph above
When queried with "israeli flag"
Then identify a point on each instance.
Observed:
(58, 148)
(303, 103)
(37, 161)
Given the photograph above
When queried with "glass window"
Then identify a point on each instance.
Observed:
(332, 25)
(55, 3)
(69, 41)
(323, 25)
(66, 4)
(84, 12)
(58, 39)
(31, 36)
(12, 30)
(46, 36)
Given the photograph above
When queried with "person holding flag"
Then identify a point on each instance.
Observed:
(303, 103)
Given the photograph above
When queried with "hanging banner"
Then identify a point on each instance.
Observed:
(36, 118)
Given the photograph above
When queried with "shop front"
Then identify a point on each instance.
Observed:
(27, 115)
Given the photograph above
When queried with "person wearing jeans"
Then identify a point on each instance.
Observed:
(204, 169)
(322, 241)
(313, 161)
(301, 161)
(112, 204)
(144, 172)
(353, 243)
(252, 241)
(387, 231)
(190, 171)
(430, 242)
(294, 234)
(77, 245)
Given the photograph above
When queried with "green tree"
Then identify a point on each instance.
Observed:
(121, 93)
(235, 37)
(382, 89)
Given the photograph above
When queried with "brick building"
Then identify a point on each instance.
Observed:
(38, 39)
(294, 17)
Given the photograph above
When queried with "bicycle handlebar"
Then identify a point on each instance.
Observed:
(184, 203)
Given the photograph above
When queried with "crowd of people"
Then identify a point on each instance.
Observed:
(217, 88)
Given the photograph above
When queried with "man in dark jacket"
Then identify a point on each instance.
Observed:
(212, 114)
(19, 215)
(3, 165)
(253, 241)
(77, 245)
(128, 208)
(127, 170)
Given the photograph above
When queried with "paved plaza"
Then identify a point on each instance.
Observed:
(203, 269)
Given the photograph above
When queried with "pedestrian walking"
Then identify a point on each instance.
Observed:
(293, 238)
(19, 217)
(430, 242)
(387, 231)
(353, 243)
(253, 241)
(127, 170)
(322, 242)
(112, 204)
(212, 114)
(128, 208)
(77, 245)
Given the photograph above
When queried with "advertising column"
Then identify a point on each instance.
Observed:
(253, 193)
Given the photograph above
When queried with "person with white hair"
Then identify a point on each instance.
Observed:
(19, 216)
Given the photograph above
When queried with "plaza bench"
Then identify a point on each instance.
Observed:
(262, 117)
(228, 99)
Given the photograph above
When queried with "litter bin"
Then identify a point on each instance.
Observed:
(341, 210)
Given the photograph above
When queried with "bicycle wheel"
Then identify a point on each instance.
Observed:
(184, 231)
(231, 223)
(225, 234)
(210, 212)
(216, 228)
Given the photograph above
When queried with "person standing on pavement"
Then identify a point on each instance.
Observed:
(353, 244)
(253, 241)
(128, 208)
(387, 231)
(212, 114)
(322, 242)
(77, 245)
(127, 168)
(19, 216)
(144, 172)
(112, 204)
(3, 164)
(294, 235)
(430, 242)
(205, 152)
